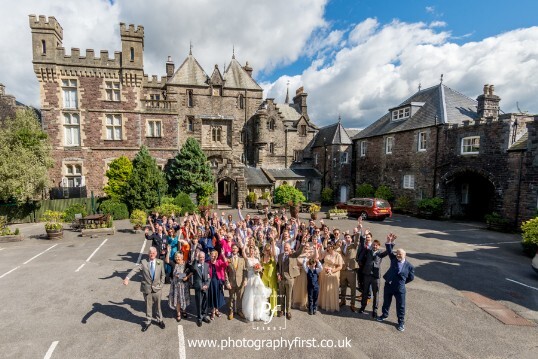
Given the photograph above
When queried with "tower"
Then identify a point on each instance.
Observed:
(132, 47)
(47, 35)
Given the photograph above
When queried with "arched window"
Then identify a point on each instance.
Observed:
(190, 98)
(132, 53)
(43, 47)
(241, 101)
(271, 124)
(216, 134)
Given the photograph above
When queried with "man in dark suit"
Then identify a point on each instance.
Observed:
(198, 272)
(159, 240)
(152, 282)
(371, 274)
(399, 274)
(365, 244)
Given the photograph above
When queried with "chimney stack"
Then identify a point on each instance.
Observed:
(169, 68)
(488, 103)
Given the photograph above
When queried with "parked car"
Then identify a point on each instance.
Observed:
(373, 208)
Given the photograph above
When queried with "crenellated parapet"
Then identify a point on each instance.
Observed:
(46, 25)
(131, 32)
(153, 81)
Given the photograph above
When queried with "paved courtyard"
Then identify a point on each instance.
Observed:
(65, 299)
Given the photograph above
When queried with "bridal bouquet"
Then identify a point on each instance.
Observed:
(257, 267)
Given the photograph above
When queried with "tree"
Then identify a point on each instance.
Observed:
(189, 171)
(118, 174)
(25, 157)
(365, 190)
(146, 183)
(288, 194)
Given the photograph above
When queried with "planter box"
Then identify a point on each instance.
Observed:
(336, 215)
(98, 232)
(11, 238)
(55, 233)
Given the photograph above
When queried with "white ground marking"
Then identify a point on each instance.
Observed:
(525, 285)
(181, 338)
(3, 275)
(37, 255)
(1, 249)
(141, 251)
(91, 255)
(48, 355)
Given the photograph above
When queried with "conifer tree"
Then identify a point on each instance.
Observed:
(118, 174)
(146, 183)
(189, 171)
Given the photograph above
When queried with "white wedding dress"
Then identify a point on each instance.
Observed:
(255, 297)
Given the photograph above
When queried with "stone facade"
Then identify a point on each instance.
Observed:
(96, 109)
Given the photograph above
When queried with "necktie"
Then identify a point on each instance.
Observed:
(152, 270)
(235, 263)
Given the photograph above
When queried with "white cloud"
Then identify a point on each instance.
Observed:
(385, 66)
(437, 24)
(430, 9)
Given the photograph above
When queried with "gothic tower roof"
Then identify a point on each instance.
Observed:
(190, 73)
(236, 77)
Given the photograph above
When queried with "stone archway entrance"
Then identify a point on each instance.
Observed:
(470, 194)
(227, 192)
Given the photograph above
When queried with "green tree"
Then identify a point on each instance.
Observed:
(146, 183)
(189, 171)
(286, 194)
(384, 192)
(118, 174)
(365, 190)
(25, 157)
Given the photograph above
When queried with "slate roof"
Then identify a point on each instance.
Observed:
(255, 177)
(521, 144)
(283, 173)
(307, 172)
(289, 113)
(190, 73)
(236, 77)
(440, 103)
(334, 135)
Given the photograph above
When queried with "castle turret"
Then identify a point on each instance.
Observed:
(47, 35)
(132, 46)
(488, 103)
(170, 68)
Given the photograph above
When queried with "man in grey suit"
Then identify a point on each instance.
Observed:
(348, 274)
(236, 279)
(152, 282)
(287, 270)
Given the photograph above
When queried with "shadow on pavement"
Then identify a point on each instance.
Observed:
(116, 311)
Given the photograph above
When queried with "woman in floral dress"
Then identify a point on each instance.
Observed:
(179, 297)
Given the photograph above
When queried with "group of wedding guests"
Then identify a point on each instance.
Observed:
(268, 264)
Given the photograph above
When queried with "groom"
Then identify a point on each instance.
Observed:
(198, 271)
(287, 270)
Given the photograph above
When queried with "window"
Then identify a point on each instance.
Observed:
(73, 176)
(421, 141)
(190, 124)
(465, 193)
(302, 130)
(216, 134)
(470, 145)
(154, 129)
(190, 98)
(154, 97)
(297, 156)
(401, 113)
(43, 47)
(216, 91)
(271, 125)
(343, 157)
(242, 137)
(315, 158)
(389, 144)
(409, 182)
(272, 148)
(241, 101)
(132, 53)
(71, 129)
(363, 149)
(112, 91)
(69, 92)
(113, 127)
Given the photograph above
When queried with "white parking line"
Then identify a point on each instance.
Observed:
(525, 285)
(91, 255)
(48, 355)
(3, 275)
(37, 255)
(1, 249)
(181, 338)
(141, 251)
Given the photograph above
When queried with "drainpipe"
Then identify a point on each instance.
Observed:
(286, 148)
(519, 179)
(434, 190)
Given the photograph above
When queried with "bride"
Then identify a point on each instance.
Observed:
(255, 303)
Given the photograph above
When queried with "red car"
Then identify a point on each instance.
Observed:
(373, 208)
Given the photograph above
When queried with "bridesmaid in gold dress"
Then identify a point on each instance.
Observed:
(329, 280)
(300, 292)
(269, 277)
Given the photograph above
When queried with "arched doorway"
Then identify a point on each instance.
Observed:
(227, 191)
(470, 194)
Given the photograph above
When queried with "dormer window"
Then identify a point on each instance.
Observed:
(401, 113)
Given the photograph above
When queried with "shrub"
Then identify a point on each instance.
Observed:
(530, 236)
(17, 232)
(118, 210)
(75, 209)
(184, 201)
(252, 197)
(168, 210)
(314, 208)
(403, 203)
(384, 192)
(289, 195)
(168, 200)
(337, 211)
(365, 190)
(327, 196)
(433, 206)
(138, 218)
(53, 219)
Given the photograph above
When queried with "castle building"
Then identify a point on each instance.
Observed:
(440, 143)
(97, 108)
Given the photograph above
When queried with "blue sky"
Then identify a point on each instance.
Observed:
(355, 59)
